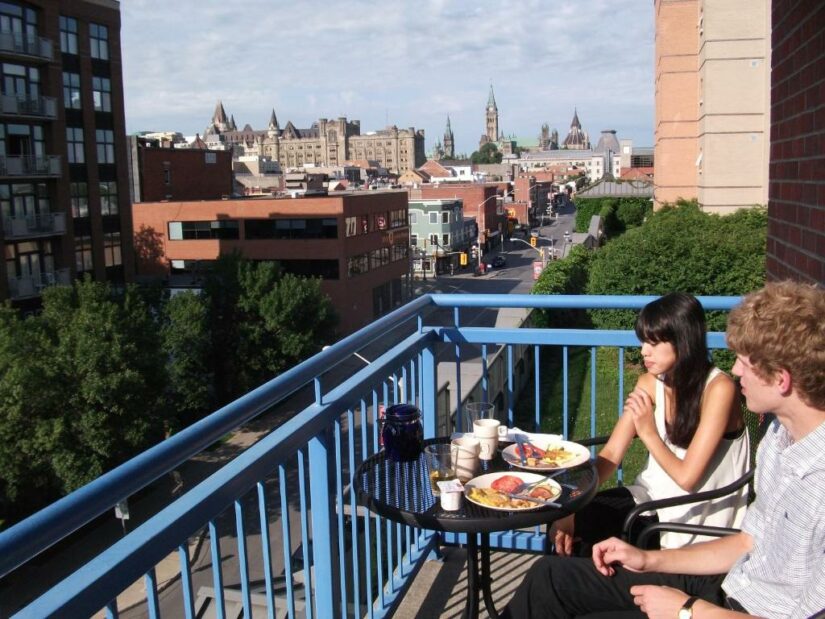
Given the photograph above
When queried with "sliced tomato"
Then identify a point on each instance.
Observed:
(507, 483)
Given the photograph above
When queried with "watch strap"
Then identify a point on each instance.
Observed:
(689, 602)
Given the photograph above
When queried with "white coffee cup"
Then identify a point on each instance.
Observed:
(465, 457)
(503, 431)
(486, 431)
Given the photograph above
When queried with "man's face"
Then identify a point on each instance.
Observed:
(761, 395)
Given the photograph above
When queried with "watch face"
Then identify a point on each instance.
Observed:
(685, 613)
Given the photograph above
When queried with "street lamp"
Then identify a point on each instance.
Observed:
(478, 219)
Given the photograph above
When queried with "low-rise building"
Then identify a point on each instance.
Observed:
(357, 243)
(439, 234)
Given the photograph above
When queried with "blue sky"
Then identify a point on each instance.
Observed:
(394, 62)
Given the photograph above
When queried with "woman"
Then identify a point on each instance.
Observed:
(687, 413)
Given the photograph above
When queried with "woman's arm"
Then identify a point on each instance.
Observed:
(718, 402)
(611, 455)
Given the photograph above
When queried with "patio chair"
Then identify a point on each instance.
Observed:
(756, 426)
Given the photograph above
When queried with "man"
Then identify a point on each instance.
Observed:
(776, 565)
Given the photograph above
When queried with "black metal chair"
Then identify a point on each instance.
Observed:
(756, 430)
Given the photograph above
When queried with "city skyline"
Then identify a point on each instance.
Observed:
(409, 65)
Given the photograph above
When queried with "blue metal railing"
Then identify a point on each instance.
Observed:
(281, 512)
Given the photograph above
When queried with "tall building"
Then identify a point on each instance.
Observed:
(64, 195)
(325, 143)
(449, 141)
(491, 129)
(712, 102)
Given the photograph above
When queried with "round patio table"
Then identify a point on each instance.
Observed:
(401, 492)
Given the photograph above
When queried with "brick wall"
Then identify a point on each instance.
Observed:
(796, 200)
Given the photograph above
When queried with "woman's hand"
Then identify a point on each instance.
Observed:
(563, 536)
(640, 406)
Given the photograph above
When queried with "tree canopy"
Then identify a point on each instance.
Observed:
(488, 153)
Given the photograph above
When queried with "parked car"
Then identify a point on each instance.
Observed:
(499, 261)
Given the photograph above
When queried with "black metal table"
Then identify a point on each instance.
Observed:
(401, 492)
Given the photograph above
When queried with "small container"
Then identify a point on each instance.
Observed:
(403, 434)
(452, 492)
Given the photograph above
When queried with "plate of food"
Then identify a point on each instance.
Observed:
(557, 454)
(492, 490)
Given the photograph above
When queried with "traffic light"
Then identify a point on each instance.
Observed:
(463, 259)
(533, 241)
(475, 252)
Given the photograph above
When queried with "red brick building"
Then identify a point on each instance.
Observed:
(796, 197)
(357, 243)
(181, 174)
(64, 198)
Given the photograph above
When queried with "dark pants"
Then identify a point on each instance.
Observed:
(603, 517)
(557, 587)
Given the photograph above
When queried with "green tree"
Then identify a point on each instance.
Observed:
(263, 322)
(81, 391)
(488, 153)
(187, 344)
(682, 248)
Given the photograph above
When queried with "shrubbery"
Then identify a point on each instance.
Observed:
(618, 214)
(568, 276)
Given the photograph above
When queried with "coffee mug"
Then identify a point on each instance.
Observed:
(465, 457)
(486, 431)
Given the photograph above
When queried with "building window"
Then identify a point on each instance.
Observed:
(71, 90)
(99, 41)
(357, 265)
(413, 218)
(83, 254)
(105, 145)
(102, 94)
(413, 240)
(74, 144)
(68, 35)
(108, 198)
(434, 240)
(351, 224)
(199, 230)
(433, 218)
(111, 249)
(445, 240)
(79, 198)
(445, 217)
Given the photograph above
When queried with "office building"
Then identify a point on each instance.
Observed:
(358, 243)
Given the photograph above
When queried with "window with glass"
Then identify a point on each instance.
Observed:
(108, 198)
(112, 256)
(445, 217)
(356, 265)
(19, 22)
(105, 145)
(68, 35)
(201, 230)
(309, 228)
(99, 41)
(351, 224)
(397, 218)
(23, 83)
(74, 145)
(434, 240)
(413, 240)
(445, 240)
(83, 254)
(433, 218)
(79, 199)
(71, 90)
(413, 218)
(102, 94)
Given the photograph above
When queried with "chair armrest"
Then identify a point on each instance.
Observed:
(686, 499)
(593, 440)
(678, 527)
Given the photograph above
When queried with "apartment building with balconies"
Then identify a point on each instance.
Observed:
(64, 202)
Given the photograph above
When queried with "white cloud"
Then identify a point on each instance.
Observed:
(411, 63)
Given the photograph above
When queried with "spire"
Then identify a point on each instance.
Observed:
(219, 116)
(575, 122)
(448, 124)
(273, 120)
(491, 100)
(232, 125)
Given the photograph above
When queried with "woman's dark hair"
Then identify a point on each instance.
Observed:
(679, 319)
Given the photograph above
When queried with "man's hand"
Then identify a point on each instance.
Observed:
(614, 550)
(658, 602)
(563, 536)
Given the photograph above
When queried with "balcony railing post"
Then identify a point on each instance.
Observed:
(429, 391)
(324, 525)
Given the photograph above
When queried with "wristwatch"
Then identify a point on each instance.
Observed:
(686, 612)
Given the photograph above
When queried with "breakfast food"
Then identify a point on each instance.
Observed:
(507, 484)
(553, 456)
(494, 498)
(499, 494)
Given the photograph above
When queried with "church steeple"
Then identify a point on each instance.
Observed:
(449, 141)
(491, 100)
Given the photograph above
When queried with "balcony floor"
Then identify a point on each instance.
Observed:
(440, 589)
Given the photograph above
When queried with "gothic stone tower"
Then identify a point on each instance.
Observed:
(492, 117)
(449, 141)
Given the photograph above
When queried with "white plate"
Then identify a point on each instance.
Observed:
(581, 454)
(486, 481)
